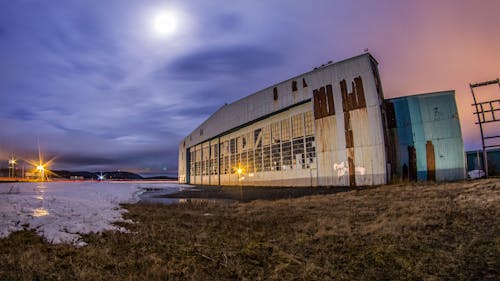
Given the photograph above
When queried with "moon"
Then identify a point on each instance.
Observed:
(165, 23)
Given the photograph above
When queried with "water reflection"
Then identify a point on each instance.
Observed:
(40, 189)
(40, 212)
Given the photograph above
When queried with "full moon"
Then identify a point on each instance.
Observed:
(165, 23)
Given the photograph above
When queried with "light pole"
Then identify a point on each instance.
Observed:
(12, 166)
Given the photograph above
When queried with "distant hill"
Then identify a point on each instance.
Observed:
(161, 178)
(115, 175)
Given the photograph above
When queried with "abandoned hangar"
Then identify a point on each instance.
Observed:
(328, 127)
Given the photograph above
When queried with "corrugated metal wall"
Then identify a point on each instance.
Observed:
(344, 145)
(428, 137)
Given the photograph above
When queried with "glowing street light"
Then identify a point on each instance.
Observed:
(41, 169)
(12, 166)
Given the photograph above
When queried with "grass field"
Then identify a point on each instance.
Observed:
(415, 232)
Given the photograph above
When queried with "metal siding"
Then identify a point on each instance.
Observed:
(331, 166)
(261, 103)
(430, 117)
(369, 149)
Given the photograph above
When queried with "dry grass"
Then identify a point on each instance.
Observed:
(417, 232)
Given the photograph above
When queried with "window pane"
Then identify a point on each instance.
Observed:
(285, 130)
(266, 158)
(298, 125)
(309, 125)
(287, 155)
(275, 132)
(276, 157)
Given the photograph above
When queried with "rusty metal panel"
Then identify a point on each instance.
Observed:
(431, 161)
(331, 104)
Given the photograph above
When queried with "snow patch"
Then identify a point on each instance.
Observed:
(62, 211)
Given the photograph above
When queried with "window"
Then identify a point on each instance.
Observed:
(257, 138)
(214, 159)
(275, 132)
(275, 93)
(285, 130)
(243, 161)
(266, 158)
(249, 142)
(294, 86)
(298, 126)
(198, 162)
(258, 160)
(298, 161)
(286, 147)
(233, 163)
(224, 157)
(232, 146)
(309, 125)
(250, 163)
(266, 138)
(310, 152)
(276, 157)
(205, 162)
(192, 161)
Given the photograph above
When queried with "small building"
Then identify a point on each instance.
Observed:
(327, 127)
(426, 139)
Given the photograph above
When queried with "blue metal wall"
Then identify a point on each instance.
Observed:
(429, 119)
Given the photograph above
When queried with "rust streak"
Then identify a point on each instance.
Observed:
(412, 159)
(329, 95)
(431, 161)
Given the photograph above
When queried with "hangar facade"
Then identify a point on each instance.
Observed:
(327, 127)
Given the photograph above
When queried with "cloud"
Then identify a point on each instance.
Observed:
(216, 61)
(227, 22)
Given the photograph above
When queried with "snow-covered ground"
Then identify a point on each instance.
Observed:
(60, 211)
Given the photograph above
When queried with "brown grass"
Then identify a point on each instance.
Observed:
(416, 232)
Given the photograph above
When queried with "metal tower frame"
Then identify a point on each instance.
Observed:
(485, 112)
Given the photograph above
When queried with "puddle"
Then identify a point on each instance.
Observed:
(215, 194)
(160, 195)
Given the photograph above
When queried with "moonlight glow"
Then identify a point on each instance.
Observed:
(165, 23)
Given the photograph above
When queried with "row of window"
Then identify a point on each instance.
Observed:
(282, 145)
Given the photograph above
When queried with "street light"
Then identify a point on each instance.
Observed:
(12, 166)
(41, 169)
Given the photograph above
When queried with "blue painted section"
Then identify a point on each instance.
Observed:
(430, 117)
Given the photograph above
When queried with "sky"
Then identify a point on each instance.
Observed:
(116, 84)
